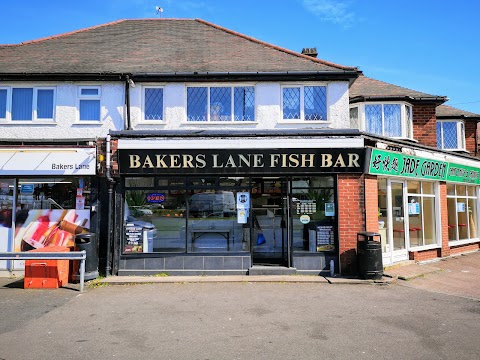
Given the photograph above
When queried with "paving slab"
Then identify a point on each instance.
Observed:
(411, 271)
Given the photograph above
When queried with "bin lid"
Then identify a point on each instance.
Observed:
(368, 233)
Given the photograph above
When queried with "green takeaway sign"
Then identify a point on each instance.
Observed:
(397, 164)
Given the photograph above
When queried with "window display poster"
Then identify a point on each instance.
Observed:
(80, 202)
(40, 228)
(243, 200)
(413, 208)
(460, 207)
(329, 209)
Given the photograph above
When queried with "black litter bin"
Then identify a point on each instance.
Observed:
(87, 242)
(369, 255)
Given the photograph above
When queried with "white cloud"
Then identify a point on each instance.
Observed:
(334, 11)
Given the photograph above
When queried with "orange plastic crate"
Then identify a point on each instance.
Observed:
(46, 274)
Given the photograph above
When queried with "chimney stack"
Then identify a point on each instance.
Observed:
(312, 52)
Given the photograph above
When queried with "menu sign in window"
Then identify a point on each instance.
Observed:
(133, 238)
(325, 238)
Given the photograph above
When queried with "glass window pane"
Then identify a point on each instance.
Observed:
(197, 104)
(291, 103)
(373, 119)
(315, 102)
(3, 103)
(439, 135)
(220, 104)
(462, 215)
(429, 221)
(244, 103)
(22, 104)
(449, 135)
(452, 219)
(392, 119)
(89, 92)
(354, 118)
(427, 188)
(471, 190)
(153, 104)
(45, 104)
(212, 222)
(90, 110)
(413, 187)
(450, 189)
(461, 190)
(409, 122)
(139, 181)
(472, 218)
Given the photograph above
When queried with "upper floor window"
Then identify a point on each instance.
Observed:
(27, 104)
(307, 103)
(89, 102)
(153, 103)
(450, 135)
(394, 120)
(232, 103)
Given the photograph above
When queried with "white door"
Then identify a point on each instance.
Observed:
(395, 245)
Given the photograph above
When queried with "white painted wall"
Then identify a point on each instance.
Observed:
(268, 110)
(66, 125)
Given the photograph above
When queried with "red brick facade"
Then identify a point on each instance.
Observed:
(351, 219)
(425, 124)
(470, 139)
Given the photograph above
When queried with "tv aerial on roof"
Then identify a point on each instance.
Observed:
(159, 10)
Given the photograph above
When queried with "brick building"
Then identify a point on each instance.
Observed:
(221, 154)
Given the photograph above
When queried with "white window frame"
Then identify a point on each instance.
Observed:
(8, 103)
(407, 128)
(302, 103)
(438, 224)
(8, 118)
(89, 97)
(232, 104)
(461, 146)
(150, 121)
(467, 197)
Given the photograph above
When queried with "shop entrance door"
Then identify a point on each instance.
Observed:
(270, 213)
(395, 244)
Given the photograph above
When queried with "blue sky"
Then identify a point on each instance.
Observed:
(431, 46)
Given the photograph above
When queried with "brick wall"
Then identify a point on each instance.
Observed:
(424, 255)
(425, 124)
(456, 250)
(351, 218)
(445, 250)
(470, 141)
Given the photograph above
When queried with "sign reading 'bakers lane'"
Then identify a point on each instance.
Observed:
(241, 161)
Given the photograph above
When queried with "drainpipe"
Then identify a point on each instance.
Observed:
(128, 125)
(111, 183)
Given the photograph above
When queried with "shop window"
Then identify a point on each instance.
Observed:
(51, 212)
(314, 214)
(154, 221)
(305, 103)
(462, 213)
(421, 213)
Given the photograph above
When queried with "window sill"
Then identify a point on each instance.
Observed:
(424, 247)
(456, 150)
(405, 139)
(297, 121)
(463, 242)
(88, 122)
(151, 122)
(218, 122)
(27, 122)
